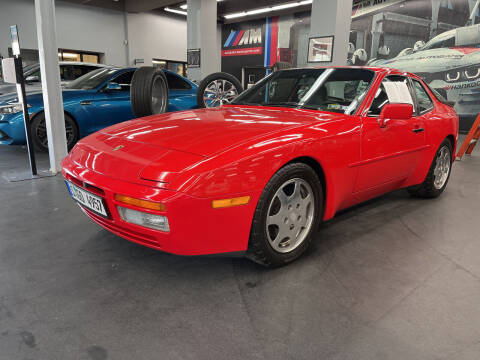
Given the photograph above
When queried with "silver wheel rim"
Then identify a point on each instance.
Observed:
(290, 215)
(159, 96)
(442, 168)
(219, 92)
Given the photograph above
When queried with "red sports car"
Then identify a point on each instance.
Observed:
(258, 175)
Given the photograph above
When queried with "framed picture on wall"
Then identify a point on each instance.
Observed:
(320, 49)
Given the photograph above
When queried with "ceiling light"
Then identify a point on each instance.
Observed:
(268, 9)
(175, 11)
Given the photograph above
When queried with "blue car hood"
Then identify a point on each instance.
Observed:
(35, 98)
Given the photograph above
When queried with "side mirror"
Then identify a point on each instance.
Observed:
(113, 86)
(395, 112)
(32, 78)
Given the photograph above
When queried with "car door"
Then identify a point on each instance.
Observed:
(181, 94)
(389, 154)
(108, 107)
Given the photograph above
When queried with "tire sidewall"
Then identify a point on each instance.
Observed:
(141, 89)
(259, 231)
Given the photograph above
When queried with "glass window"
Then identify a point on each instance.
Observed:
(382, 96)
(424, 102)
(335, 90)
(92, 79)
(176, 82)
(124, 80)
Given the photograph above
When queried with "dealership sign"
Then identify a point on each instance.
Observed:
(240, 42)
(367, 6)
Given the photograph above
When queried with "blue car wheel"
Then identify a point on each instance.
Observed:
(39, 132)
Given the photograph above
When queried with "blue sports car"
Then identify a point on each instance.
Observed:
(96, 100)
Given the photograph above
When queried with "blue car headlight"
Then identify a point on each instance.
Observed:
(12, 108)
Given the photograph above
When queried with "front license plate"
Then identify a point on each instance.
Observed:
(87, 199)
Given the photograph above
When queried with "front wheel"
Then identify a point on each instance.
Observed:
(438, 174)
(39, 132)
(287, 215)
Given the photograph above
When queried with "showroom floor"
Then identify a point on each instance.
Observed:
(397, 278)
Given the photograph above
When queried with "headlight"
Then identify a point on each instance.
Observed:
(11, 108)
(152, 221)
(463, 74)
(453, 76)
(472, 73)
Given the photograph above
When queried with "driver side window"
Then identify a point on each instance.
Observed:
(124, 80)
(398, 92)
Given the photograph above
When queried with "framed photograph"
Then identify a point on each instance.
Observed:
(193, 58)
(320, 49)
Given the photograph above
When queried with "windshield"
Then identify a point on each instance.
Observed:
(336, 90)
(444, 40)
(92, 79)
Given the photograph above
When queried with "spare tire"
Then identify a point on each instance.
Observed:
(218, 89)
(149, 92)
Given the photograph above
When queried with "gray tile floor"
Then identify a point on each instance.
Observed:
(396, 278)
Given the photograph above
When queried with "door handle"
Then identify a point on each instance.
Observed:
(418, 130)
(85, 102)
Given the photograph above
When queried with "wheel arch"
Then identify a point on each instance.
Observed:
(65, 112)
(317, 167)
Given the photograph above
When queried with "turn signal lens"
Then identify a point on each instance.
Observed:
(157, 222)
(230, 202)
(140, 203)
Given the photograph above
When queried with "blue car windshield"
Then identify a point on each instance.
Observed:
(92, 79)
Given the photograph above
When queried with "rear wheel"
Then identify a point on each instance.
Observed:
(287, 214)
(438, 174)
(39, 132)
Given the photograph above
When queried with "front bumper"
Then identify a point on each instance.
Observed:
(195, 227)
(12, 129)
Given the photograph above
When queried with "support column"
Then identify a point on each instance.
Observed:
(333, 18)
(202, 34)
(50, 74)
(434, 24)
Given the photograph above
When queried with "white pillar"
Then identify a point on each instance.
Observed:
(333, 18)
(52, 93)
(202, 34)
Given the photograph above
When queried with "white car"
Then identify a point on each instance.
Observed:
(450, 64)
(69, 71)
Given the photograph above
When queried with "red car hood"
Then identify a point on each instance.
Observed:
(205, 132)
(159, 147)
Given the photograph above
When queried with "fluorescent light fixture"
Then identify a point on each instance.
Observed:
(268, 9)
(184, 6)
(175, 11)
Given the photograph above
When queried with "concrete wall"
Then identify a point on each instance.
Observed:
(152, 35)
(88, 28)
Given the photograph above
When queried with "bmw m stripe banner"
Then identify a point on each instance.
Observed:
(271, 41)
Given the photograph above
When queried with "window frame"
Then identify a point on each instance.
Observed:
(418, 113)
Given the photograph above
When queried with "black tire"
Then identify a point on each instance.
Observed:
(428, 189)
(39, 132)
(207, 83)
(260, 249)
(149, 92)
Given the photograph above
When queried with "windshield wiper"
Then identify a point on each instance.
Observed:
(285, 103)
